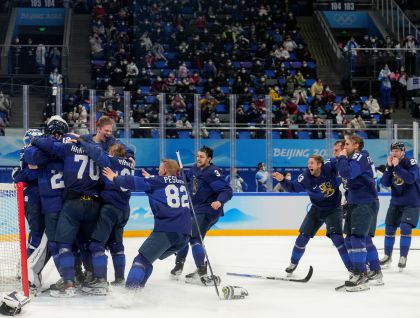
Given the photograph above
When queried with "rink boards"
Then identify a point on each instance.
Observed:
(249, 214)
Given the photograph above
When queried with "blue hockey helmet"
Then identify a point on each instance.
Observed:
(56, 125)
(29, 134)
(398, 145)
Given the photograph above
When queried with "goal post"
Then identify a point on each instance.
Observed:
(13, 258)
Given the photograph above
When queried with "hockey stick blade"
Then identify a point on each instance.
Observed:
(296, 280)
(340, 288)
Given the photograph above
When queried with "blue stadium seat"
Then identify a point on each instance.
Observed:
(296, 64)
(338, 99)
(225, 89)
(303, 134)
(236, 64)
(150, 99)
(357, 108)
(363, 99)
(155, 133)
(160, 64)
(309, 82)
(170, 55)
(145, 89)
(199, 89)
(245, 107)
(244, 134)
(362, 134)
(221, 108)
(270, 73)
(184, 134)
(335, 135)
(214, 134)
(275, 134)
(311, 65)
(303, 108)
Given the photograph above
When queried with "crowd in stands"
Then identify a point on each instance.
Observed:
(214, 49)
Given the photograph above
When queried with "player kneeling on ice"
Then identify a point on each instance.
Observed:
(321, 184)
(168, 200)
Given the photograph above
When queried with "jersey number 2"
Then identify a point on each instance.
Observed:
(172, 196)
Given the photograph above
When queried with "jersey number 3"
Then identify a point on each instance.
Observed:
(173, 198)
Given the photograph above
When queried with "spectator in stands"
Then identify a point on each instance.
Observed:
(356, 124)
(183, 123)
(317, 87)
(309, 117)
(55, 80)
(262, 178)
(41, 57)
(328, 96)
(386, 114)
(318, 129)
(354, 97)
(274, 92)
(411, 44)
(401, 89)
(54, 58)
(300, 95)
(373, 105)
(385, 89)
(351, 52)
(239, 184)
(178, 104)
(132, 70)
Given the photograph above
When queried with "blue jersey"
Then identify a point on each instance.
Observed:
(208, 185)
(261, 181)
(168, 200)
(108, 143)
(81, 174)
(357, 173)
(110, 193)
(322, 190)
(50, 178)
(404, 180)
(28, 176)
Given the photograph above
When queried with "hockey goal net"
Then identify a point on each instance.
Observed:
(13, 264)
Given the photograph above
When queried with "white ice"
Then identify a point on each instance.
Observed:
(164, 297)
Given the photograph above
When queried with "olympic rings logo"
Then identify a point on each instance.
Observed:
(344, 19)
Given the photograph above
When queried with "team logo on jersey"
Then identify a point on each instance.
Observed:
(326, 189)
(397, 180)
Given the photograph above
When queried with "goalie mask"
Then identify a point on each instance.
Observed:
(29, 134)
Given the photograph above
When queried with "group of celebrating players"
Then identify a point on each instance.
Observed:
(77, 204)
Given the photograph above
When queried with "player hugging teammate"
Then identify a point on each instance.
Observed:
(82, 211)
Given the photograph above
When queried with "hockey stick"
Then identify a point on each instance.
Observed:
(296, 280)
(196, 223)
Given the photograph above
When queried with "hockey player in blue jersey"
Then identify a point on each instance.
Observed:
(114, 215)
(168, 200)
(357, 171)
(402, 175)
(32, 202)
(321, 183)
(210, 192)
(51, 189)
(104, 136)
(81, 204)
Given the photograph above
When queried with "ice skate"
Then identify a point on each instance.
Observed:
(402, 263)
(98, 286)
(357, 282)
(386, 261)
(375, 278)
(67, 290)
(290, 269)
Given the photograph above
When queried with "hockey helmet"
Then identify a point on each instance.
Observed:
(398, 145)
(56, 125)
(29, 134)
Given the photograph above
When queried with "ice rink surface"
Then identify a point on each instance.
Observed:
(164, 297)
